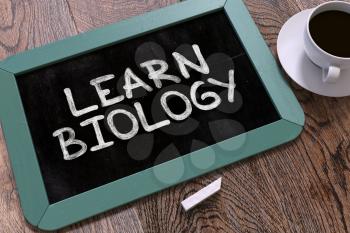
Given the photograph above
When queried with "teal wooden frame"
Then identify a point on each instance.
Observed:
(29, 182)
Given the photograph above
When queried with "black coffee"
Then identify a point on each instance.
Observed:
(331, 32)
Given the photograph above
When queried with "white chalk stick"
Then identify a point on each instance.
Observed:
(201, 195)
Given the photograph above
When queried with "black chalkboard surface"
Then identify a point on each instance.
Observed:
(101, 119)
(46, 106)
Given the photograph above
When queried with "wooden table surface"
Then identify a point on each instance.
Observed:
(303, 186)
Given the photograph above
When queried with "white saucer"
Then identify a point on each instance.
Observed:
(290, 49)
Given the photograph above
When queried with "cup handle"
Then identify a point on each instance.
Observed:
(331, 74)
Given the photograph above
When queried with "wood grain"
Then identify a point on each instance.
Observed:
(299, 187)
(29, 24)
(90, 14)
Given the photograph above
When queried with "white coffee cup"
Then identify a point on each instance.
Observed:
(331, 65)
